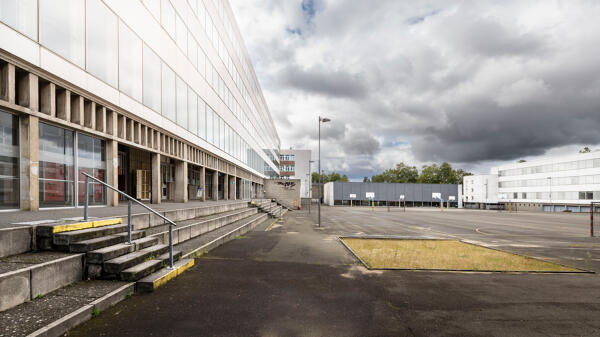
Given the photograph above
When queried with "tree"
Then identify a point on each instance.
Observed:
(430, 174)
(333, 176)
(366, 180)
(521, 161)
(402, 173)
(585, 150)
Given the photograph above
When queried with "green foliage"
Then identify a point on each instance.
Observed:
(95, 312)
(333, 176)
(401, 174)
(366, 180)
(430, 174)
(585, 150)
(521, 161)
(39, 296)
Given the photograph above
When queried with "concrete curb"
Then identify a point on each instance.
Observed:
(83, 314)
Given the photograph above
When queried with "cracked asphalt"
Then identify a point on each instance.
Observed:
(298, 280)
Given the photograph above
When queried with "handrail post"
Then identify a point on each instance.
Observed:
(129, 221)
(85, 200)
(171, 246)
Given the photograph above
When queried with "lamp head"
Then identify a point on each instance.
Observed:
(324, 120)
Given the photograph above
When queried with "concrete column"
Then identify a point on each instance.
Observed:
(29, 163)
(232, 187)
(203, 183)
(156, 179)
(226, 187)
(181, 181)
(8, 84)
(215, 186)
(112, 171)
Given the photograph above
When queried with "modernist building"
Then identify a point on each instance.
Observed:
(295, 164)
(552, 184)
(382, 194)
(156, 97)
(480, 191)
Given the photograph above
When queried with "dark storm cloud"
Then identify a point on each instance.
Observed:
(465, 82)
(321, 81)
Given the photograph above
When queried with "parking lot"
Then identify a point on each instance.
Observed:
(296, 279)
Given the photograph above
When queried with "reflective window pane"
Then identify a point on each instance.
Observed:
(182, 110)
(209, 125)
(169, 102)
(102, 44)
(181, 33)
(167, 17)
(154, 7)
(192, 111)
(130, 62)
(91, 159)
(9, 160)
(152, 78)
(201, 118)
(62, 28)
(56, 166)
(18, 15)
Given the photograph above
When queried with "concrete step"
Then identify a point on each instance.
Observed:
(148, 267)
(116, 265)
(101, 255)
(66, 238)
(101, 242)
(155, 280)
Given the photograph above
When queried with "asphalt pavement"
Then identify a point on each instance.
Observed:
(296, 279)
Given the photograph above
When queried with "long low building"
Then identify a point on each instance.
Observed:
(157, 98)
(551, 184)
(382, 194)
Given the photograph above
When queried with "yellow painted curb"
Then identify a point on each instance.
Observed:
(86, 225)
(172, 274)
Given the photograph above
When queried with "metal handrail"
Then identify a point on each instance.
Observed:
(130, 199)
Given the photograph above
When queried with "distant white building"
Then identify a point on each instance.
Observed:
(295, 164)
(480, 191)
(552, 184)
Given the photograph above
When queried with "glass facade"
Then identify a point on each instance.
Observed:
(152, 80)
(130, 69)
(9, 160)
(102, 44)
(91, 159)
(17, 14)
(57, 180)
(62, 28)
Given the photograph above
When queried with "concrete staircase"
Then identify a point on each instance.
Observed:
(67, 251)
(270, 207)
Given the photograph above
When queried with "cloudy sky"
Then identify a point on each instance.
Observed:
(474, 83)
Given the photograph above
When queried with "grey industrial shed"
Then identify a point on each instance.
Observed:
(414, 194)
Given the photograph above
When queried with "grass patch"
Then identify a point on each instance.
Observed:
(443, 255)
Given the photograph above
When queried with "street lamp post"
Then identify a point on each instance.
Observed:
(309, 179)
(321, 120)
(550, 194)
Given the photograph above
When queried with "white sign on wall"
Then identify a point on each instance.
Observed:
(352, 196)
(451, 198)
(370, 195)
(436, 195)
(401, 196)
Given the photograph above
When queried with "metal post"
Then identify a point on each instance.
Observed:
(388, 205)
(405, 206)
(129, 221)
(171, 246)
(319, 172)
(85, 200)
(592, 219)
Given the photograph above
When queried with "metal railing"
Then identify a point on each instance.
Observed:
(130, 199)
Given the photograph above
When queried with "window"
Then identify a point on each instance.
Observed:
(169, 100)
(152, 78)
(201, 62)
(91, 159)
(9, 160)
(18, 15)
(56, 166)
(182, 109)
(62, 28)
(168, 17)
(193, 51)
(153, 7)
(192, 111)
(130, 63)
(181, 34)
(221, 134)
(201, 118)
(209, 125)
(102, 48)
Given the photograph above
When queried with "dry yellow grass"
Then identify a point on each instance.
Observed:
(445, 255)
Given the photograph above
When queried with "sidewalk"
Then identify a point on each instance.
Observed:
(17, 218)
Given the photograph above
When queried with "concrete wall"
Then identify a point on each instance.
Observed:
(287, 190)
(481, 189)
(15, 241)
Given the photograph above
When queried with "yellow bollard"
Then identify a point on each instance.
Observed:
(350, 203)
(441, 206)
(509, 207)
(372, 206)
